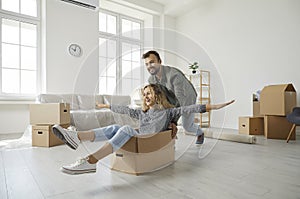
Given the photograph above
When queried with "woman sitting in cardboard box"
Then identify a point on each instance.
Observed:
(155, 116)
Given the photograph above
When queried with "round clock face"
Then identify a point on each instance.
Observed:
(75, 50)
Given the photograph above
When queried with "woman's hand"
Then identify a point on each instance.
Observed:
(218, 106)
(174, 129)
(102, 105)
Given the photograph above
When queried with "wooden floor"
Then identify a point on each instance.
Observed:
(218, 169)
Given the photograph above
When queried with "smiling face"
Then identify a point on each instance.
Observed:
(153, 64)
(149, 97)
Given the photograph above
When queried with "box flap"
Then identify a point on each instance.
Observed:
(278, 88)
(290, 87)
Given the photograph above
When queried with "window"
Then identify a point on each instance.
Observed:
(120, 44)
(19, 48)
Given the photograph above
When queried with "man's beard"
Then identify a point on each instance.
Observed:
(153, 70)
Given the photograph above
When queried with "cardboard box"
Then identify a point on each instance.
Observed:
(256, 109)
(43, 136)
(277, 127)
(278, 99)
(251, 125)
(139, 163)
(148, 143)
(50, 113)
(144, 154)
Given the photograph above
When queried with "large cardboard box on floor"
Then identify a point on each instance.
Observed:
(145, 154)
(278, 99)
(251, 125)
(49, 113)
(277, 127)
(43, 136)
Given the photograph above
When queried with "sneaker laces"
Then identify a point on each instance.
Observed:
(72, 128)
(79, 162)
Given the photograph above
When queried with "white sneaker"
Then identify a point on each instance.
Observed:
(67, 136)
(79, 167)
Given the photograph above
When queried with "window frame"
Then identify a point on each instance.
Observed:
(23, 19)
(119, 40)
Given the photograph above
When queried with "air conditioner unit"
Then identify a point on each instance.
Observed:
(91, 4)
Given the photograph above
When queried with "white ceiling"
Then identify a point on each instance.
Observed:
(177, 8)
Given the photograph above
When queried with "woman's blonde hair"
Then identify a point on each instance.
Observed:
(160, 97)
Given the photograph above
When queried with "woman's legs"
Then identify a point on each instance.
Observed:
(98, 134)
(119, 138)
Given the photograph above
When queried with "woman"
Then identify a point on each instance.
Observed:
(155, 116)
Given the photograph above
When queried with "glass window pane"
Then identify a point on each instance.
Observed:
(111, 24)
(28, 58)
(10, 81)
(126, 51)
(102, 22)
(29, 7)
(11, 5)
(126, 28)
(112, 49)
(111, 86)
(136, 54)
(111, 68)
(10, 56)
(136, 83)
(136, 29)
(28, 34)
(126, 69)
(102, 85)
(10, 31)
(102, 47)
(126, 86)
(102, 66)
(136, 70)
(28, 82)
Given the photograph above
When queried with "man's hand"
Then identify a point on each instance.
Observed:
(174, 129)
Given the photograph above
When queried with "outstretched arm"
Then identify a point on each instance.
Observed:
(217, 106)
(102, 105)
(134, 113)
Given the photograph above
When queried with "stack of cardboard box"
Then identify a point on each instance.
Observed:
(43, 117)
(269, 113)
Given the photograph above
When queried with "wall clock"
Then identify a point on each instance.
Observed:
(75, 50)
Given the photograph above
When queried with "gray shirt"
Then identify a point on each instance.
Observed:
(176, 81)
(157, 120)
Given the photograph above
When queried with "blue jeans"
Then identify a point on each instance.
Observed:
(189, 125)
(116, 135)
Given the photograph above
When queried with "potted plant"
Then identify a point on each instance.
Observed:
(193, 67)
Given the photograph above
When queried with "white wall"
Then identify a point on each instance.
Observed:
(252, 43)
(66, 24)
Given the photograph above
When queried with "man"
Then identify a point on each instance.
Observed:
(174, 80)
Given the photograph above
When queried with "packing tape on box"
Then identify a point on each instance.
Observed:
(250, 139)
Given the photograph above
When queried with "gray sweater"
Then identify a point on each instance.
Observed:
(157, 120)
(176, 81)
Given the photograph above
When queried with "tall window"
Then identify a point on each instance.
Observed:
(120, 44)
(19, 47)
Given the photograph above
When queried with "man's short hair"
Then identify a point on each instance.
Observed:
(147, 54)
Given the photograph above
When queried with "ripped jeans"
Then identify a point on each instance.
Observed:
(116, 135)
